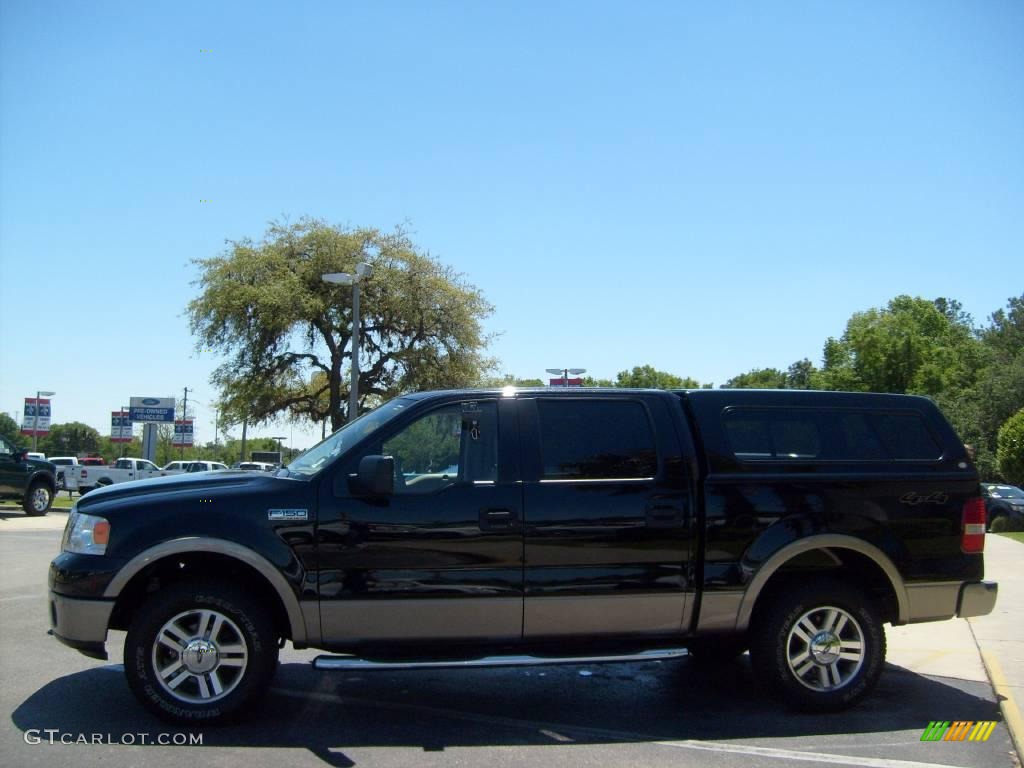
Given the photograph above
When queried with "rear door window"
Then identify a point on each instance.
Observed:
(596, 440)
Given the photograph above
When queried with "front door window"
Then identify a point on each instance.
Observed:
(454, 444)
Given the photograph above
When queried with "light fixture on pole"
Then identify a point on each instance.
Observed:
(564, 373)
(35, 416)
(344, 278)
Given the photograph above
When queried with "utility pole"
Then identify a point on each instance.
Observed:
(184, 416)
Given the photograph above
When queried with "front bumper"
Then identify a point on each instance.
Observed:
(81, 624)
(936, 601)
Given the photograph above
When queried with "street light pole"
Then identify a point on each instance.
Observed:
(353, 387)
(35, 417)
(344, 278)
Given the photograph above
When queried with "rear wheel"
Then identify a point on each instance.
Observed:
(819, 646)
(200, 652)
(38, 499)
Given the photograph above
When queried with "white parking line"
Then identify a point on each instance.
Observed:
(40, 596)
(811, 757)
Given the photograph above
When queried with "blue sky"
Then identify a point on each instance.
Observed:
(703, 187)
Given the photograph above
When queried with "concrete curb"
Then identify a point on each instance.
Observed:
(1011, 712)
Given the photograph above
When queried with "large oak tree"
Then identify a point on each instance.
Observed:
(287, 335)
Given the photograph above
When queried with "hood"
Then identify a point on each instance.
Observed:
(160, 488)
(40, 464)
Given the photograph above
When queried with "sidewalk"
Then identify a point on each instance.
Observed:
(1000, 635)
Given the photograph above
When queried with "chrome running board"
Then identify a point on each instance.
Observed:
(355, 663)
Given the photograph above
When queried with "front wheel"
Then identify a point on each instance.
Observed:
(200, 652)
(819, 646)
(38, 499)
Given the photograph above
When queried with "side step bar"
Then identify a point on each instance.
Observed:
(351, 663)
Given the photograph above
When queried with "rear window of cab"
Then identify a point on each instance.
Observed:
(828, 435)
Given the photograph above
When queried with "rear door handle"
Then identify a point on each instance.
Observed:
(496, 517)
(663, 516)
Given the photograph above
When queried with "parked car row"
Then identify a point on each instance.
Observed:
(34, 480)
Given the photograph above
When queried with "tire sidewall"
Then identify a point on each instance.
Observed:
(249, 616)
(773, 647)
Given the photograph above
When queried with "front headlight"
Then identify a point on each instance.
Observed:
(86, 534)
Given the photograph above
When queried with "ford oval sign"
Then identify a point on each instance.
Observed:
(151, 401)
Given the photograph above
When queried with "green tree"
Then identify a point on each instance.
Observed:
(911, 345)
(758, 378)
(1005, 333)
(647, 377)
(801, 375)
(1010, 449)
(508, 380)
(9, 429)
(265, 307)
(71, 439)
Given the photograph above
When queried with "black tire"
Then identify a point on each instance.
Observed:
(815, 677)
(38, 499)
(244, 652)
(715, 650)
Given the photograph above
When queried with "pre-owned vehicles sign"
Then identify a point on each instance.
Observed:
(159, 409)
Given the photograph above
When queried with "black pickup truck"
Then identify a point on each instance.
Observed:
(527, 526)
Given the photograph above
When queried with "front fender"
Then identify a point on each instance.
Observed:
(300, 631)
(44, 476)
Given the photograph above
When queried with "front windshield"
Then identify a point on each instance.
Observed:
(1005, 492)
(320, 455)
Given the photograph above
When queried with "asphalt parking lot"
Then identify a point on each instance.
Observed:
(650, 714)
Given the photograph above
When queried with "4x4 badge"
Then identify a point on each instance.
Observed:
(913, 498)
(287, 514)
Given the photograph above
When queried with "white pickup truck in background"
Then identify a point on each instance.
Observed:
(84, 479)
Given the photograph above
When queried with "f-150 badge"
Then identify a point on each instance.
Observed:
(287, 514)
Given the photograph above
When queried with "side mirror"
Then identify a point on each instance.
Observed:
(376, 476)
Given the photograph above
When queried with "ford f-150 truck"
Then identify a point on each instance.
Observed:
(528, 526)
(31, 481)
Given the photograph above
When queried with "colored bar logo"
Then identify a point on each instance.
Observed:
(958, 730)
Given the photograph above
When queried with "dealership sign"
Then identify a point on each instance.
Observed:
(120, 427)
(152, 409)
(184, 431)
(36, 420)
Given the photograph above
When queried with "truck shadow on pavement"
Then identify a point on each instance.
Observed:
(433, 710)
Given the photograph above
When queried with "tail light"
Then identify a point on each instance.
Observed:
(85, 473)
(972, 540)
